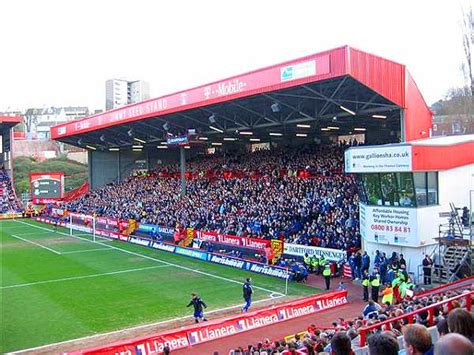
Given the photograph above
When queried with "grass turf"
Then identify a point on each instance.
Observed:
(55, 287)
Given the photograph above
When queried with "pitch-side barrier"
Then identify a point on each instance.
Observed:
(196, 334)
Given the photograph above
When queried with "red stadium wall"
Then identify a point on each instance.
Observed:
(438, 158)
(381, 75)
(418, 117)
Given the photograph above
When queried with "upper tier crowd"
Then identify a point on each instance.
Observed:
(8, 200)
(299, 194)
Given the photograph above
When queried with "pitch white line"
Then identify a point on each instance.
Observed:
(160, 261)
(83, 277)
(137, 327)
(39, 245)
(85, 251)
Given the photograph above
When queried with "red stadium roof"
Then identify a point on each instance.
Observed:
(10, 119)
(311, 88)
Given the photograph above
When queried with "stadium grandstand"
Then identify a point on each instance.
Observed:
(259, 173)
(9, 203)
(260, 153)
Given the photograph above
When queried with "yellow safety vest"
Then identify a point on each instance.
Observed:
(388, 298)
(375, 282)
(365, 282)
(327, 272)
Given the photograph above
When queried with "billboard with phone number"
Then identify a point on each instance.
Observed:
(389, 225)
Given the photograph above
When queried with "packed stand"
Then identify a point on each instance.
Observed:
(8, 201)
(300, 195)
(343, 336)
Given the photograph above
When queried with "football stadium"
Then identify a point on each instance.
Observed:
(300, 208)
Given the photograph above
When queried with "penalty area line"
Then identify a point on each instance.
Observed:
(84, 251)
(83, 277)
(161, 261)
(38, 245)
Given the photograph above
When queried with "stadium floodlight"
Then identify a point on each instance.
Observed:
(203, 138)
(91, 147)
(246, 133)
(166, 126)
(301, 135)
(130, 132)
(216, 143)
(137, 150)
(212, 118)
(255, 139)
(164, 143)
(303, 126)
(325, 129)
(275, 107)
(360, 129)
(333, 127)
(114, 149)
(275, 134)
(162, 147)
(379, 116)
(187, 147)
(347, 110)
(230, 139)
(139, 140)
(137, 146)
(216, 129)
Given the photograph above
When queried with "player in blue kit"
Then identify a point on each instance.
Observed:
(247, 292)
(197, 303)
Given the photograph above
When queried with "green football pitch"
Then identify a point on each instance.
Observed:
(55, 287)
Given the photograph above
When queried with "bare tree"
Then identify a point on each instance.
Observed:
(468, 46)
(30, 119)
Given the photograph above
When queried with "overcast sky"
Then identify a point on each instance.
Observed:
(58, 53)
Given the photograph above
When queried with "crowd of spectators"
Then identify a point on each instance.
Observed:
(343, 336)
(299, 194)
(8, 201)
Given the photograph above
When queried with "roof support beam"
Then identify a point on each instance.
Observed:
(153, 128)
(183, 115)
(319, 118)
(319, 94)
(289, 106)
(339, 99)
(328, 102)
(225, 117)
(254, 112)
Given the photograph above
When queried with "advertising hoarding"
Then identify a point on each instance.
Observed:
(389, 225)
(380, 159)
(221, 328)
(301, 250)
